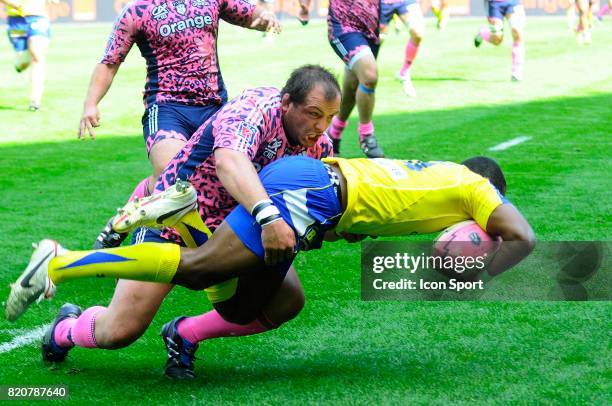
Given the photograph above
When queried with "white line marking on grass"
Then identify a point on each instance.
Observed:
(510, 143)
(24, 339)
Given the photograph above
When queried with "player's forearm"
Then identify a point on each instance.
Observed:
(101, 81)
(238, 176)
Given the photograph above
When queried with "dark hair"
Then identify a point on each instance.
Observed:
(304, 78)
(488, 168)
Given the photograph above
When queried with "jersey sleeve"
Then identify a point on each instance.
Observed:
(480, 199)
(121, 38)
(238, 12)
(239, 126)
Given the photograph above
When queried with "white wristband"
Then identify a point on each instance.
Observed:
(266, 212)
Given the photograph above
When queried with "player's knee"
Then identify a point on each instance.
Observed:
(234, 313)
(369, 78)
(293, 307)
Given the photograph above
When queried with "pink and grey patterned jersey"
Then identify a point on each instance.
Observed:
(354, 16)
(178, 40)
(252, 124)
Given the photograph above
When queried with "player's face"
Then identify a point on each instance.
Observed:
(305, 123)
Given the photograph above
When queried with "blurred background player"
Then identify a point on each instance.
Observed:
(184, 85)
(514, 11)
(583, 28)
(259, 126)
(353, 32)
(29, 31)
(606, 9)
(410, 14)
(441, 12)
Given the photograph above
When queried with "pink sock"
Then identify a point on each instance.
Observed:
(365, 129)
(336, 128)
(142, 190)
(82, 331)
(410, 54)
(604, 10)
(212, 325)
(61, 335)
(485, 33)
(518, 57)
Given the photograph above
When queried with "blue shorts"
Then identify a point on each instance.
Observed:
(350, 46)
(387, 10)
(499, 9)
(20, 29)
(174, 121)
(306, 195)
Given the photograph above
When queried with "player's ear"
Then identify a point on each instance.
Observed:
(285, 102)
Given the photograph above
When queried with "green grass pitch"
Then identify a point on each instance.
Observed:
(339, 349)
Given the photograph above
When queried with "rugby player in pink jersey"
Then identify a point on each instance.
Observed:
(353, 32)
(514, 11)
(184, 87)
(410, 14)
(222, 159)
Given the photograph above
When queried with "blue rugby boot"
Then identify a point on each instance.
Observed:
(181, 353)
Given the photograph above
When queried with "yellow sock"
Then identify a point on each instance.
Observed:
(192, 229)
(153, 262)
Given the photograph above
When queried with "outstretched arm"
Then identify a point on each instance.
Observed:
(517, 235)
(265, 20)
(101, 80)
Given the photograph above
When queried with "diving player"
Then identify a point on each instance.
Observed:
(319, 200)
(514, 11)
(410, 14)
(29, 31)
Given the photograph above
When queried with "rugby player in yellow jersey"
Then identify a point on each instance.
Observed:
(331, 199)
(29, 31)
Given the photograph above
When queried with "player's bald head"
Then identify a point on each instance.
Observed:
(305, 78)
(489, 169)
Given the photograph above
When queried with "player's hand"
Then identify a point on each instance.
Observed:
(304, 13)
(90, 119)
(279, 242)
(267, 21)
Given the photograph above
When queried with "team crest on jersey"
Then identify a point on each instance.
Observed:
(160, 12)
(272, 149)
(180, 7)
(247, 132)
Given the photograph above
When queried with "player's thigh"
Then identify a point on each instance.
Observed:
(365, 70)
(413, 19)
(517, 19)
(287, 302)
(162, 152)
(38, 46)
(133, 306)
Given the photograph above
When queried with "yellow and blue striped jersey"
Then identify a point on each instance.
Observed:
(392, 197)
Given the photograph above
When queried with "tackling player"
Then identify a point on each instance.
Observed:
(257, 127)
(410, 14)
(29, 31)
(353, 32)
(184, 87)
(514, 11)
(326, 200)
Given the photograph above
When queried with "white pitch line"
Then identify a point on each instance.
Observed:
(510, 143)
(24, 339)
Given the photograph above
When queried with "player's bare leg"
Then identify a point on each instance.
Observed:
(38, 46)
(517, 24)
(366, 71)
(414, 21)
(583, 32)
(340, 121)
